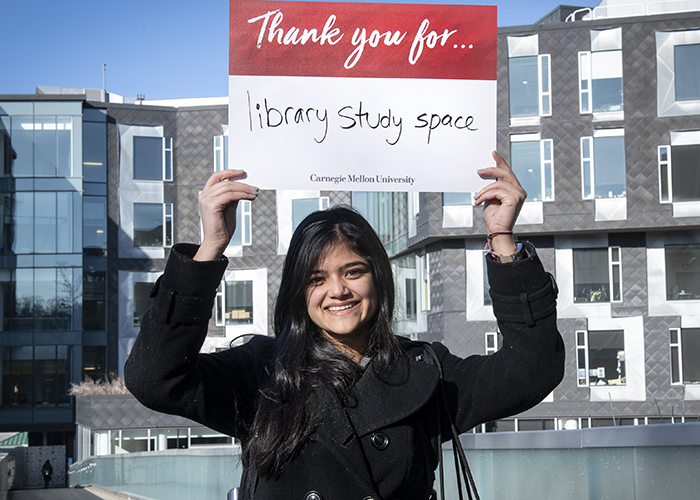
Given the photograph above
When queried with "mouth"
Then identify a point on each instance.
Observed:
(340, 308)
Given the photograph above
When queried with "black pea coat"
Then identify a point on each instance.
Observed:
(384, 443)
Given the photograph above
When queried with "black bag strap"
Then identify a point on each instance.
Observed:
(463, 472)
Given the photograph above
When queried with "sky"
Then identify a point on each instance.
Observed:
(163, 49)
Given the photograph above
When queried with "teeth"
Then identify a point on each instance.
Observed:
(339, 308)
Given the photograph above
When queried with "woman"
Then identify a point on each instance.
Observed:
(335, 406)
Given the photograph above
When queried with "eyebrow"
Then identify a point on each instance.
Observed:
(344, 267)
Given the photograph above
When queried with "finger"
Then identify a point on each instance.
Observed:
(225, 175)
(500, 161)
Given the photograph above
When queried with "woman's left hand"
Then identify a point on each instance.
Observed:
(502, 201)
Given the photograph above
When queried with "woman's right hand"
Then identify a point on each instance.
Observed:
(218, 202)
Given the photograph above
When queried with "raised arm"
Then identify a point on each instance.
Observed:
(165, 370)
(531, 362)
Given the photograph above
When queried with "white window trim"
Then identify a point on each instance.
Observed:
(168, 217)
(679, 359)
(494, 338)
(545, 96)
(167, 163)
(476, 309)
(545, 165)
(612, 265)
(424, 279)
(587, 167)
(584, 71)
(665, 73)
(582, 347)
(413, 211)
(665, 180)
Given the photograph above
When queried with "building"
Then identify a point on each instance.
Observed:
(599, 115)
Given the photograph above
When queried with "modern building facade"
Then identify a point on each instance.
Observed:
(599, 116)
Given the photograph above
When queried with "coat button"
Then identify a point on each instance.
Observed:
(380, 440)
(312, 495)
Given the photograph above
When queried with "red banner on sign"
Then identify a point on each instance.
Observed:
(269, 38)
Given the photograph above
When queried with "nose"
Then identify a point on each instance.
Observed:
(338, 287)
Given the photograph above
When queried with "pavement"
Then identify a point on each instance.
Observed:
(87, 493)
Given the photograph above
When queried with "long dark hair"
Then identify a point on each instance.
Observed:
(304, 357)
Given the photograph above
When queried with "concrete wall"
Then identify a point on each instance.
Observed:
(30, 460)
(7, 474)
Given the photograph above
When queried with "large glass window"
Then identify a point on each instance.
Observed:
(597, 274)
(41, 222)
(682, 272)
(152, 224)
(40, 299)
(43, 145)
(531, 161)
(679, 172)
(603, 165)
(600, 81)
(386, 212)
(35, 375)
(685, 355)
(601, 357)
(94, 151)
(687, 72)
(95, 225)
(148, 158)
(529, 86)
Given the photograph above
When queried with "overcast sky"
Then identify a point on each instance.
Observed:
(163, 49)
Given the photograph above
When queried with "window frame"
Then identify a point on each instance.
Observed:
(588, 162)
(614, 269)
(546, 150)
(166, 225)
(667, 105)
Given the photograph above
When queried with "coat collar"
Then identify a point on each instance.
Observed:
(379, 403)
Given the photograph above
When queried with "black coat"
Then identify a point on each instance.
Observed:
(384, 444)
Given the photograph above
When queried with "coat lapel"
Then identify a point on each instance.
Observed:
(380, 403)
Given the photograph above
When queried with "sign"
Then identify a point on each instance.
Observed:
(362, 97)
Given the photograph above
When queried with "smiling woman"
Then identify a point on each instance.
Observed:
(335, 405)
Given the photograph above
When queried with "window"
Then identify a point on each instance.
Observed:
(142, 300)
(529, 79)
(600, 358)
(682, 272)
(302, 207)
(603, 165)
(494, 341)
(679, 169)
(94, 146)
(243, 233)
(597, 275)
(35, 375)
(531, 160)
(685, 355)
(40, 299)
(46, 145)
(678, 75)
(600, 75)
(457, 210)
(95, 225)
(41, 222)
(94, 362)
(424, 276)
(153, 158)
(153, 224)
(386, 212)
(234, 303)
(221, 150)
(94, 294)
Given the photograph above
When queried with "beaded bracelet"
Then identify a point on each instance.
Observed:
(489, 239)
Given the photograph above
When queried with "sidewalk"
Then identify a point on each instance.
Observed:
(87, 493)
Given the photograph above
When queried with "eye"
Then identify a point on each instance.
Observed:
(355, 273)
(316, 281)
